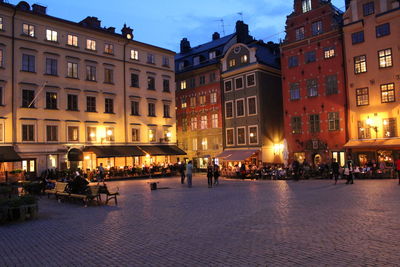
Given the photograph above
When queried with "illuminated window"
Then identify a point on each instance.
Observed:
(385, 58)
(72, 40)
(300, 33)
(193, 123)
(232, 63)
(109, 49)
(1, 23)
(305, 5)
(390, 127)
(333, 121)
(203, 122)
(202, 100)
(91, 44)
(51, 100)
(134, 54)
(214, 120)
(316, 28)
(295, 123)
(91, 133)
(244, 59)
(194, 144)
(135, 135)
(253, 134)
(110, 136)
(73, 133)
(72, 70)
(51, 35)
(213, 98)
(183, 103)
(28, 29)
(362, 97)
(363, 132)
(193, 101)
(329, 52)
(184, 124)
(183, 85)
(204, 143)
(360, 64)
(387, 93)
(152, 135)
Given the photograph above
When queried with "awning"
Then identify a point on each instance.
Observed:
(75, 154)
(373, 143)
(162, 150)
(8, 154)
(237, 155)
(114, 151)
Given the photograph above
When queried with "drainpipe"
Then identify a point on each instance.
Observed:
(125, 116)
(346, 105)
(13, 104)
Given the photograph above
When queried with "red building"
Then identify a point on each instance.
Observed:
(313, 82)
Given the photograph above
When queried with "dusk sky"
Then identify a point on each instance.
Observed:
(165, 23)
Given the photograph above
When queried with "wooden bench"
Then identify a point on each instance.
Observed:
(109, 195)
(58, 188)
(94, 194)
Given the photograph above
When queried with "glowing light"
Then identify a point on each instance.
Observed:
(168, 134)
(109, 132)
(92, 134)
(87, 158)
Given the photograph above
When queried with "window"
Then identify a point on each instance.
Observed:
(362, 97)
(91, 104)
(73, 133)
(214, 120)
(135, 108)
(213, 98)
(244, 59)
(183, 85)
(90, 73)
(357, 37)
(192, 82)
(305, 5)
(294, 91)
(333, 121)
(202, 80)
(368, 8)
(295, 123)
(165, 61)
(150, 58)
(72, 70)
(194, 144)
(239, 107)
(360, 64)
(72, 40)
(239, 83)
(229, 109)
(193, 101)
(28, 132)
(167, 111)
(166, 85)
(109, 49)
(134, 80)
(51, 35)
(253, 135)
(314, 123)
(27, 98)
(72, 102)
(110, 134)
(202, 100)
(312, 87)
(329, 52)
(52, 133)
(212, 55)
(251, 80)
(310, 56)
(183, 103)
(389, 127)
(109, 105)
(134, 54)
(1, 58)
(1, 23)
(1, 96)
(151, 83)
(385, 58)
(331, 84)
(108, 75)
(204, 143)
(203, 122)
(28, 29)
(293, 61)
(230, 137)
(228, 86)
(184, 124)
(232, 63)
(300, 33)
(316, 28)
(51, 66)
(387, 93)
(51, 100)
(196, 61)
(241, 135)
(91, 44)
(151, 108)
(252, 106)
(363, 132)
(91, 134)
(193, 123)
(28, 63)
(135, 135)
(382, 30)
(212, 77)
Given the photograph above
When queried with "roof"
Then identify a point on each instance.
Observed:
(267, 54)
(114, 151)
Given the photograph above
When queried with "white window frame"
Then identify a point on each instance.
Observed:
(51, 35)
(31, 30)
(248, 134)
(74, 40)
(225, 82)
(233, 137)
(255, 82)
(214, 120)
(239, 88)
(154, 131)
(237, 135)
(203, 122)
(35, 131)
(213, 98)
(134, 54)
(244, 108)
(233, 109)
(248, 106)
(91, 44)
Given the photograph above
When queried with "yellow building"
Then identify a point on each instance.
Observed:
(82, 93)
(371, 36)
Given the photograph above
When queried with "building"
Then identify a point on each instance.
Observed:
(198, 98)
(78, 94)
(371, 39)
(252, 97)
(313, 82)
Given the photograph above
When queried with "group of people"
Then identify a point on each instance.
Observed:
(186, 172)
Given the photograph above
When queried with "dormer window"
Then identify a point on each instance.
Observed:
(212, 55)
(306, 5)
(181, 65)
(196, 60)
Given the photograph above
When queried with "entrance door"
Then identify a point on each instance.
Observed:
(29, 165)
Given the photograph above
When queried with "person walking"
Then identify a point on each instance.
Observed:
(243, 170)
(216, 173)
(349, 170)
(335, 170)
(210, 174)
(398, 167)
(100, 174)
(182, 171)
(296, 170)
(189, 171)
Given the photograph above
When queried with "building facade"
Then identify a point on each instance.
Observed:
(252, 97)
(371, 36)
(313, 82)
(80, 93)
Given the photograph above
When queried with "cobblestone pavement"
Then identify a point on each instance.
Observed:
(238, 223)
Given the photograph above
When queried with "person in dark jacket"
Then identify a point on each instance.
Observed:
(182, 171)
(335, 170)
(349, 167)
(296, 170)
(210, 174)
(216, 173)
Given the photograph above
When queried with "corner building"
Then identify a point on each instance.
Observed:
(371, 35)
(313, 82)
(78, 94)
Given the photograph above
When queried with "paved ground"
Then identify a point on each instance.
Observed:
(239, 223)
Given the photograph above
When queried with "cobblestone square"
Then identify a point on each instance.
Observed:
(238, 223)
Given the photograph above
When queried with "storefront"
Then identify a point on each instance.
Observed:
(8, 158)
(232, 157)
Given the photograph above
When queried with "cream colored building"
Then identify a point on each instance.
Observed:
(371, 36)
(67, 85)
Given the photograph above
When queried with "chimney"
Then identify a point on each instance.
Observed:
(242, 32)
(111, 29)
(347, 3)
(185, 45)
(91, 22)
(38, 9)
(215, 36)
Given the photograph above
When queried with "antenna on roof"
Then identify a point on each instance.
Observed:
(241, 15)
(222, 25)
